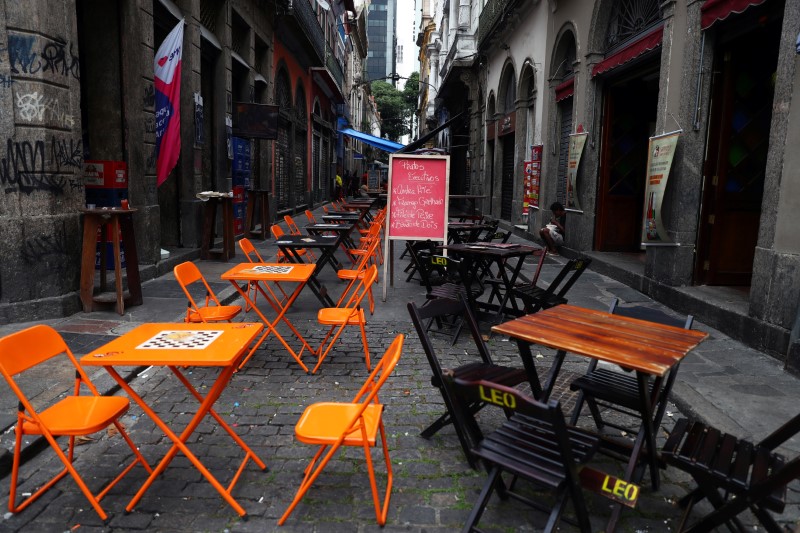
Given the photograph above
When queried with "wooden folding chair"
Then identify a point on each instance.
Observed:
(294, 230)
(253, 256)
(350, 314)
(534, 445)
(497, 284)
(732, 474)
(535, 298)
(617, 390)
(333, 425)
(188, 274)
(72, 416)
(483, 368)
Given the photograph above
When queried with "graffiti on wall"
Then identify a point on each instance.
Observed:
(37, 250)
(34, 107)
(27, 55)
(29, 166)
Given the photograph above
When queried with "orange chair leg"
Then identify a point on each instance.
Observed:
(381, 511)
(366, 346)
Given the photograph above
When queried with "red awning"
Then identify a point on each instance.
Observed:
(565, 89)
(638, 47)
(715, 10)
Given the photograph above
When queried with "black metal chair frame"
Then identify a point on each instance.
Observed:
(732, 474)
(535, 444)
(535, 298)
(484, 368)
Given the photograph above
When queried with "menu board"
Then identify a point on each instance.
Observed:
(418, 197)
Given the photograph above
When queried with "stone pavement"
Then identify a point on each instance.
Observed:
(723, 382)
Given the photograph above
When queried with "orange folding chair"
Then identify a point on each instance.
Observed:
(253, 256)
(356, 274)
(188, 274)
(310, 216)
(294, 230)
(278, 232)
(332, 425)
(71, 416)
(351, 314)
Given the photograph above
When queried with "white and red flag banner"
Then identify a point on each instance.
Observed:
(167, 70)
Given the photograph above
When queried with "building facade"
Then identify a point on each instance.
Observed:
(382, 35)
(721, 75)
(76, 85)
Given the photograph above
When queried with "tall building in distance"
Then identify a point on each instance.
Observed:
(382, 36)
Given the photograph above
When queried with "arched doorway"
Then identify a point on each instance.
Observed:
(630, 107)
(283, 161)
(506, 131)
(742, 94)
(564, 77)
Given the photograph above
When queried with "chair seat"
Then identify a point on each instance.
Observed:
(332, 316)
(349, 273)
(724, 461)
(614, 387)
(215, 313)
(79, 415)
(528, 447)
(529, 293)
(324, 423)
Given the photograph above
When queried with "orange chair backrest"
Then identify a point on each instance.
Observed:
(369, 391)
(248, 248)
(361, 290)
(369, 256)
(188, 273)
(27, 348)
(310, 216)
(290, 223)
(277, 231)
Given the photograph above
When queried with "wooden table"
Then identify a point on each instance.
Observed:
(480, 253)
(265, 273)
(463, 232)
(119, 221)
(177, 346)
(212, 205)
(648, 348)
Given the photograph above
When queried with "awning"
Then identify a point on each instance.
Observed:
(384, 144)
(716, 10)
(419, 143)
(638, 47)
(565, 89)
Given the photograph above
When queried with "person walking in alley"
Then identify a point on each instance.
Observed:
(553, 232)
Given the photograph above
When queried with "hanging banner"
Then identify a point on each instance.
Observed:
(167, 82)
(527, 167)
(536, 174)
(576, 144)
(659, 162)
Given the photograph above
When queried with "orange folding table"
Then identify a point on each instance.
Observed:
(262, 273)
(176, 346)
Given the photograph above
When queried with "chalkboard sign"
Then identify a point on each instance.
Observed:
(418, 197)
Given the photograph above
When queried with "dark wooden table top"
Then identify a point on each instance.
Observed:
(637, 344)
(491, 249)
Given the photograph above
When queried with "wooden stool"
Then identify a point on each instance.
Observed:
(257, 200)
(207, 249)
(119, 220)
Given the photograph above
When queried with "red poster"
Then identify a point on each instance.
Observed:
(532, 179)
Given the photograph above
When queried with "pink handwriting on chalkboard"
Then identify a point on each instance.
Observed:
(418, 189)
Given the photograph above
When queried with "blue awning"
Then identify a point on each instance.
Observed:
(384, 144)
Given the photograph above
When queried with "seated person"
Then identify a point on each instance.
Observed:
(363, 192)
(553, 232)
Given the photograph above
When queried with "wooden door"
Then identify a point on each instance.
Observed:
(738, 142)
(629, 116)
(507, 185)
